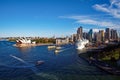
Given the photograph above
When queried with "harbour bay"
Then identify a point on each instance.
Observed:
(57, 66)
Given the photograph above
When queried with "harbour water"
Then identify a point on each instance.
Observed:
(20, 64)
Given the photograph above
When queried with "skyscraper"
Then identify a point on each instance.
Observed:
(80, 33)
(85, 35)
(97, 36)
(114, 35)
(74, 37)
(90, 35)
(102, 35)
(107, 34)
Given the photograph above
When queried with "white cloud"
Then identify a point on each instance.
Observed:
(112, 9)
(85, 29)
(91, 21)
(74, 17)
(98, 23)
(110, 20)
(96, 30)
(88, 21)
(101, 7)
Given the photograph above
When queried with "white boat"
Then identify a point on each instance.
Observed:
(39, 63)
(56, 51)
(80, 44)
(58, 47)
(51, 47)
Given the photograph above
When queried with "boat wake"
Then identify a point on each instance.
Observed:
(34, 69)
(63, 50)
(27, 65)
(19, 59)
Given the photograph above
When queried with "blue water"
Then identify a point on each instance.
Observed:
(56, 66)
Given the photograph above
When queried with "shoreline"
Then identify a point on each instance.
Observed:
(90, 57)
(32, 45)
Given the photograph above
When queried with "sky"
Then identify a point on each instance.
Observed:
(47, 18)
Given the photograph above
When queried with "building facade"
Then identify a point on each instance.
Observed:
(114, 35)
(102, 35)
(80, 33)
(107, 34)
(90, 35)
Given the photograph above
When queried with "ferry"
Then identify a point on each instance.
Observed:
(58, 47)
(51, 47)
(57, 51)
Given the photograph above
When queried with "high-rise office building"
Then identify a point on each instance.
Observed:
(90, 35)
(114, 35)
(107, 34)
(80, 33)
(74, 38)
(102, 35)
(95, 36)
(98, 37)
(85, 35)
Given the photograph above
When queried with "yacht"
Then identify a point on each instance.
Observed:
(80, 44)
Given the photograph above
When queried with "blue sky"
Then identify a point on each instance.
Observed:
(46, 18)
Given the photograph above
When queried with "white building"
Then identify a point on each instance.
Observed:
(60, 41)
(23, 41)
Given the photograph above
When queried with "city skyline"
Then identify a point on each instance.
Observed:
(47, 18)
